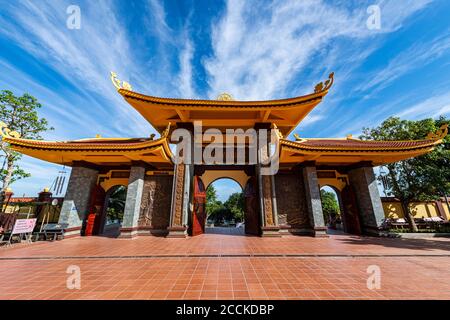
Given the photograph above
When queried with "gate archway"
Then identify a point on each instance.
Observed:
(348, 215)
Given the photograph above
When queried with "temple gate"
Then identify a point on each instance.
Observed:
(167, 198)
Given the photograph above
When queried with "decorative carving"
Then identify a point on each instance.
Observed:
(6, 132)
(298, 221)
(120, 84)
(165, 133)
(267, 195)
(279, 134)
(297, 137)
(178, 203)
(439, 134)
(225, 97)
(320, 87)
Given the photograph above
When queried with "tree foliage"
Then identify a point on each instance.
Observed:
(19, 114)
(421, 178)
(116, 204)
(217, 211)
(330, 205)
(235, 204)
(212, 203)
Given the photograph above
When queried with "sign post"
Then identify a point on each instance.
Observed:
(24, 227)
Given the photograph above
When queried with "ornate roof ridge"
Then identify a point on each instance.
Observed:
(320, 91)
(437, 136)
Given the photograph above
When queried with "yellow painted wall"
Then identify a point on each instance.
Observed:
(447, 212)
(394, 209)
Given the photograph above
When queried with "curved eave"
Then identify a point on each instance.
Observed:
(285, 113)
(296, 152)
(232, 104)
(369, 146)
(101, 151)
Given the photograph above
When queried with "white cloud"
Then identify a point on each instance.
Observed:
(185, 77)
(433, 107)
(256, 56)
(418, 55)
(225, 188)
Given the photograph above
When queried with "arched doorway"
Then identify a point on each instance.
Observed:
(331, 208)
(224, 207)
(340, 210)
(113, 209)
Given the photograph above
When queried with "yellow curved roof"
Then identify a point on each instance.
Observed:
(223, 114)
(98, 151)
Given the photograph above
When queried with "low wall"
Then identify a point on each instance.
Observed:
(425, 209)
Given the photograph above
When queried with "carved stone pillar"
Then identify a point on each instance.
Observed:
(132, 210)
(180, 202)
(266, 185)
(313, 201)
(76, 201)
(368, 197)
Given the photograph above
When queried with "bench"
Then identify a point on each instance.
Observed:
(52, 231)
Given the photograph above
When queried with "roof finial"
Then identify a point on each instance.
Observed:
(320, 87)
(6, 132)
(440, 134)
(120, 84)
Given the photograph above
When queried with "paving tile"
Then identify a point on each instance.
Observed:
(410, 268)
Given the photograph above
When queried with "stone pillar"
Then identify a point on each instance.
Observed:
(180, 202)
(368, 197)
(266, 186)
(132, 210)
(269, 227)
(76, 201)
(313, 201)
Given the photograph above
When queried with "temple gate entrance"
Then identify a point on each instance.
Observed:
(247, 181)
(252, 217)
(350, 215)
(346, 197)
(94, 217)
(199, 212)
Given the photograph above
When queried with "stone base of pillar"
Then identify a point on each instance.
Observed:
(149, 231)
(272, 231)
(72, 232)
(128, 233)
(301, 232)
(285, 230)
(371, 231)
(176, 232)
(320, 232)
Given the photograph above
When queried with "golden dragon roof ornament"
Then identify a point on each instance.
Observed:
(120, 84)
(440, 134)
(6, 132)
(325, 86)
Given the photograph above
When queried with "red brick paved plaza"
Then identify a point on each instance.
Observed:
(218, 266)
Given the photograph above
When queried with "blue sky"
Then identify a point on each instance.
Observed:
(198, 49)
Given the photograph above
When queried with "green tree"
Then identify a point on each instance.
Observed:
(235, 204)
(421, 178)
(116, 204)
(212, 203)
(20, 115)
(330, 205)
